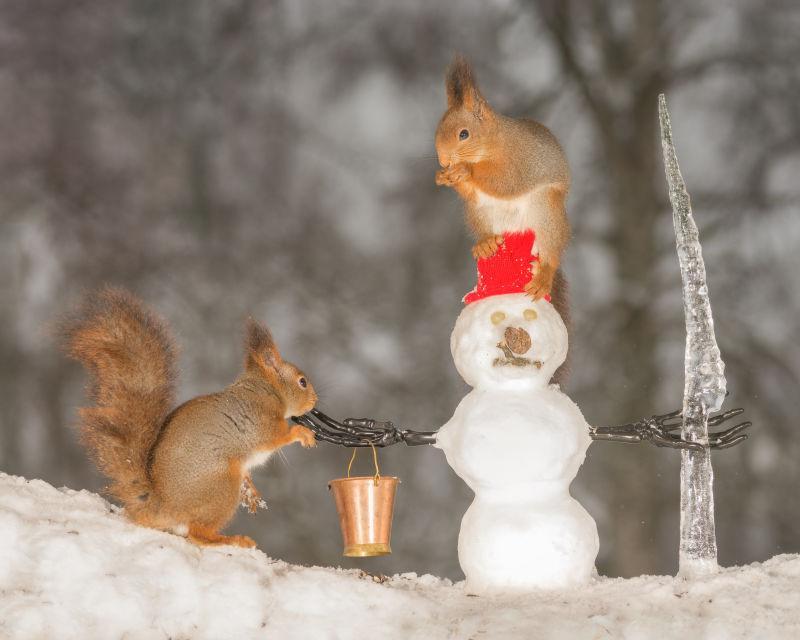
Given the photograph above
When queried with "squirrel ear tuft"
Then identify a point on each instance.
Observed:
(258, 341)
(462, 89)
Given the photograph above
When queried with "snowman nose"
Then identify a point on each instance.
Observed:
(517, 339)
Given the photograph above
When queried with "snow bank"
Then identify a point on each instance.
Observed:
(72, 567)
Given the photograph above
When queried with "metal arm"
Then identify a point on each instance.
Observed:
(658, 430)
(361, 432)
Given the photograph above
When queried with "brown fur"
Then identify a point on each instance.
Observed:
(129, 355)
(460, 84)
(502, 161)
(184, 469)
(560, 300)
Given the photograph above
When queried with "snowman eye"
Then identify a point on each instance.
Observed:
(530, 314)
(498, 317)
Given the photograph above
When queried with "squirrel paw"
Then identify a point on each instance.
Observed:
(304, 436)
(235, 541)
(241, 541)
(206, 537)
(249, 497)
(452, 175)
(542, 282)
(487, 247)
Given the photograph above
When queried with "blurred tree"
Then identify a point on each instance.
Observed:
(276, 158)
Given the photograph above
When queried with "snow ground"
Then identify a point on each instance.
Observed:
(72, 567)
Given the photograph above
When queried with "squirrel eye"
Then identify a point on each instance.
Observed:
(302, 382)
(463, 135)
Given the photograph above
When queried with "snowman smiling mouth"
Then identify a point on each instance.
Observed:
(515, 343)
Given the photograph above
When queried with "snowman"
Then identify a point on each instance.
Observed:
(515, 439)
(518, 443)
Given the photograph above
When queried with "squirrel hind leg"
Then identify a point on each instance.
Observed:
(153, 521)
(147, 514)
(205, 536)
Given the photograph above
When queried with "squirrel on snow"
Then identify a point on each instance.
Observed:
(182, 469)
(512, 175)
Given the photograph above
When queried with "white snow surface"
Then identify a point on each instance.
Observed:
(71, 566)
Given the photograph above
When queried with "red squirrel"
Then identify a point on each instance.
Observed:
(182, 469)
(511, 173)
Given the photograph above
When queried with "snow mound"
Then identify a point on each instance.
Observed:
(72, 567)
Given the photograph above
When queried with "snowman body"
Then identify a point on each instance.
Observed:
(518, 443)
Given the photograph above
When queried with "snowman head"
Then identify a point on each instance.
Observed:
(508, 342)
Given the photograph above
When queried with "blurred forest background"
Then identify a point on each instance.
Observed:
(226, 157)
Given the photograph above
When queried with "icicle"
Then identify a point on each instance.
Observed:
(704, 388)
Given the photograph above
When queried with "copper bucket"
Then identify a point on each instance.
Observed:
(365, 505)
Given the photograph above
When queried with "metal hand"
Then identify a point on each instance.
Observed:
(660, 430)
(361, 432)
(408, 436)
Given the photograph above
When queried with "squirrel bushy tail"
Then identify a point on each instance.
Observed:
(129, 355)
(560, 300)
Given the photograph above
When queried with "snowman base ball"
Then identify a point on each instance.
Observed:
(518, 442)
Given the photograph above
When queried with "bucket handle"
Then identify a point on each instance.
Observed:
(377, 477)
